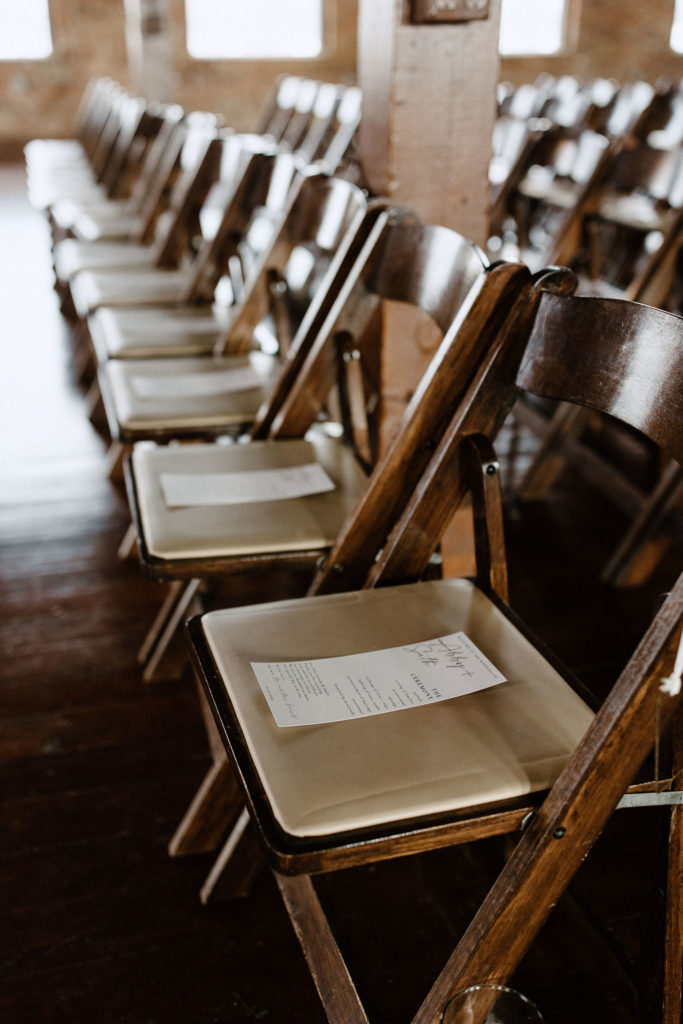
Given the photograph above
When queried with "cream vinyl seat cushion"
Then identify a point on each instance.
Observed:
(147, 332)
(72, 256)
(46, 190)
(182, 394)
(295, 524)
(499, 743)
(116, 220)
(119, 213)
(636, 211)
(139, 286)
(555, 192)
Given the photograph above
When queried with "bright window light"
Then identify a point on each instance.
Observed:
(676, 38)
(532, 26)
(219, 29)
(25, 30)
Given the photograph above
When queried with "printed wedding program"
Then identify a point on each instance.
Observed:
(197, 385)
(340, 689)
(245, 486)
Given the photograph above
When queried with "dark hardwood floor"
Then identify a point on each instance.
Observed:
(99, 924)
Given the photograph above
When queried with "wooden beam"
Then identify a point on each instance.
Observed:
(428, 111)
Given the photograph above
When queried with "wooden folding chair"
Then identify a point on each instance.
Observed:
(101, 240)
(527, 756)
(67, 153)
(490, 300)
(548, 203)
(431, 269)
(131, 218)
(203, 396)
(279, 106)
(175, 233)
(56, 167)
(640, 198)
(130, 129)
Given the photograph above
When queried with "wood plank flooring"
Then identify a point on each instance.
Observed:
(99, 925)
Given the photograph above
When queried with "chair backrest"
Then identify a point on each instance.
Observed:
(146, 193)
(659, 281)
(632, 213)
(633, 98)
(288, 266)
(108, 130)
(140, 123)
(199, 162)
(657, 114)
(168, 149)
(280, 107)
(575, 167)
(428, 268)
(614, 356)
(518, 145)
(644, 169)
(92, 110)
(301, 114)
(264, 216)
(491, 300)
(327, 99)
(527, 100)
(329, 136)
(242, 185)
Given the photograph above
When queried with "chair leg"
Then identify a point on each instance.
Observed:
(116, 455)
(126, 548)
(210, 814)
(156, 651)
(325, 962)
(637, 553)
(95, 408)
(672, 1010)
(672, 997)
(243, 854)
(175, 589)
(85, 367)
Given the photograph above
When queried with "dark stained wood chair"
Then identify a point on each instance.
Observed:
(491, 300)
(69, 153)
(529, 758)
(59, 167)
(133, 125)
(179, 396)
(430, 268)
(176, 231)
(122, 219)
(547, 204)
(649, 206)
(637, 203)
(180, 171)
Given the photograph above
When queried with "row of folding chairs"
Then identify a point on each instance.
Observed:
(294, 539)
(552, 168)
(602, 195)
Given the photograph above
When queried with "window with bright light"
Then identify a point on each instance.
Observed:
(257, 29)
(676, 37)
(25, 30)
(530, 27)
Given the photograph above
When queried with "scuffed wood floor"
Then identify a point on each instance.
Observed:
(99, 925)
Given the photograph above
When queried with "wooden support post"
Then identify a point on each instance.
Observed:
(428, 110)
(150, 46)
(424, 141)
